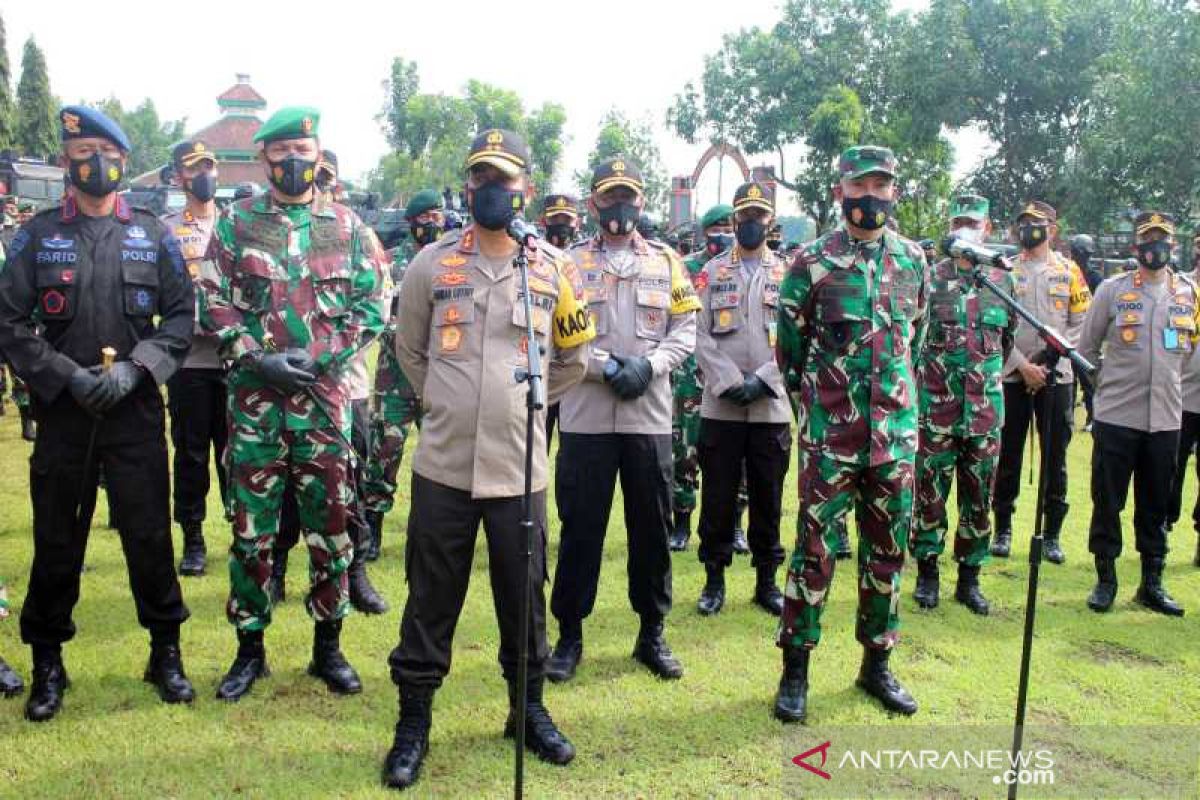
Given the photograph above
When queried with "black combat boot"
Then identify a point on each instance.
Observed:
(411, 742)
(712, 596)
(165, 671)
(927, 588)
(11, 684)
(542, 736)
(681, 532)
(1151, 593)
(277, 588)
(560, 666)
(1002, 541)
(49, 682)
(1052, 548)
(652, 650)
(968, 592)
(878, 681)
(1105, 592)
(791, 701)
(766, 593)
(375, 543)
(249, 665)
(328, 663)
(363, 595)
(195, 556)
(843, 549)
(28, 426)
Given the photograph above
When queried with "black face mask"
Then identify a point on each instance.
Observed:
(619, 218)
(1154, 255)
(427, 233)
(1081, 259)
(493, 206)
(751, 234)
(867, 212)
(96, 175)
(560, 234)
(293, 176)
(203, 187)
(717, 243)
(1031, 236)
(774, 244)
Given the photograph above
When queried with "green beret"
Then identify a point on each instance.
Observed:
(422, 201)
(293, 122)
(715, 215)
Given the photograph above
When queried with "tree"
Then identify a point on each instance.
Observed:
(8, 121)
(37, 127)
(620, 136)
(151, 139)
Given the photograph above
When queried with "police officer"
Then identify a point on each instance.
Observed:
(687, 387)
(560, 222)
(196, 393)
(1189, 431)
(745, 415)
(1053, 289)
(618, 421)
(294, 296)
(1147, 324)
(461, 332)
(95, 273)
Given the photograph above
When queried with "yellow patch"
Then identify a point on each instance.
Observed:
(754, 193)
(193, 269)
(495, 138)
(724, 318)
(1129, 335)
(1059, 305)
(1130, 296)
(183, 230)
(451, 339)
(1131, 317)
(453, 260)
(1183, 322)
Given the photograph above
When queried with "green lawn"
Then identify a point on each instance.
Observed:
(709, 735)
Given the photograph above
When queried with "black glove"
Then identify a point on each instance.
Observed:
(115, 385)
(735, 394)
(275, 369)
(633, 379)
(80, 385)
(300, 359)
(753, 388)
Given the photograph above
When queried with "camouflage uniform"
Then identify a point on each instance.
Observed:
(959, 375)
(862, 304)
(687, 389)
(396, 406)
(306, 277)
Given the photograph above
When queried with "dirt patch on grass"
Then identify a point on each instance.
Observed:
(1111, 652)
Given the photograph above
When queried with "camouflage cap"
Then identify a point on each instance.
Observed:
(1151, 220)
(866, 159)
(970, 206)
(292, 122)
(422, 201)
(186, 154)
(26, 206)
(716, 215)
(753, 195)
(560, 204)
(1039, 211)
(616, 171)
(504, 150)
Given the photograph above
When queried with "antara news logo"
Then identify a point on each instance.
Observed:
(1027, 768)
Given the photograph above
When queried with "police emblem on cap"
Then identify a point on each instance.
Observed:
(618, 167)
(198, 147)
(1156, 219)
(754, 193)
(306, 125)
(70, 122)
(1031, 209)
(495, 139)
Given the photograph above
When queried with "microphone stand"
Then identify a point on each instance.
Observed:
(1056, 347)
(535, 400)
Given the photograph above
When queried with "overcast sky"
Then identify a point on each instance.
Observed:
(631, 54)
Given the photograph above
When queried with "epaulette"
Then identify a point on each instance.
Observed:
(447, 239)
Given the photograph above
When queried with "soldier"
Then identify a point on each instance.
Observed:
(11, 684)
(88, 274)
(1147, 323)
(397, 406)
(962, 410)
(775, 239)
(1053, 289)
(196, 393)
(461, 331)
(1189, 431)
(9, 225)
(852, 313)
(745, 414)
(293, 294)
(25, 212)
(687, 387)
(560, 221)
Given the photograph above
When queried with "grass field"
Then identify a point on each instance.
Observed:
(709, 735)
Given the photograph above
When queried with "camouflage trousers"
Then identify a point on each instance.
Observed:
(316, 465)
(20, 391)
(974, 459)
(882, 498)
(687, 389)
(390, 426)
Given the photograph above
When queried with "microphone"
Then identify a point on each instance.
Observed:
(523, 233)
(974, 253)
